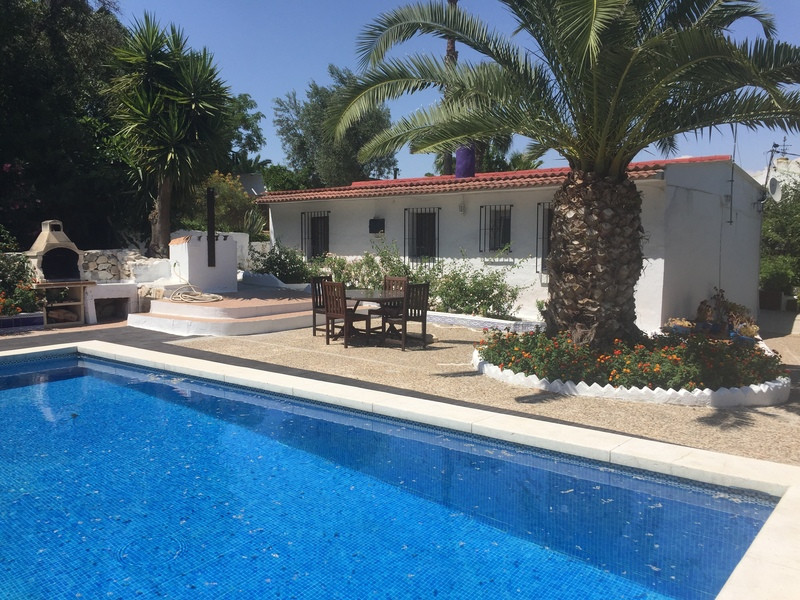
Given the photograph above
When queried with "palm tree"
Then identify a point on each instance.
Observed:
(598, 82)
(172, 110)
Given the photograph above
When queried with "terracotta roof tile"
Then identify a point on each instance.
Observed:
(447, 183)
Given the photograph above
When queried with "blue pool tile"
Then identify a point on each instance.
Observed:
(125, 483)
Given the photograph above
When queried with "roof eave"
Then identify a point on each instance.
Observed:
(482, 182)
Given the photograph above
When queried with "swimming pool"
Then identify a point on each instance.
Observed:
(281, 542)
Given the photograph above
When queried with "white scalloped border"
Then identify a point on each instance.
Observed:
(769, 393)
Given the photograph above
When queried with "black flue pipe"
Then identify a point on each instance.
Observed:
(212, 234)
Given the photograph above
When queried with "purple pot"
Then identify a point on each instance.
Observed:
(465, 161)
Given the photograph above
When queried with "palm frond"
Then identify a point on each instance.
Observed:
(583, 24)
(718, 15)
(598, 80)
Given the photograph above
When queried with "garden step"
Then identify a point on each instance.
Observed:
(215, 326)
(230, 308)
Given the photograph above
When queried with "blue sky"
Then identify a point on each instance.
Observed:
(267, 48)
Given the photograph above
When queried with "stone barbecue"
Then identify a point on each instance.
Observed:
(69, 278)
(53, 256)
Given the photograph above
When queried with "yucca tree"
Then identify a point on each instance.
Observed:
(597, 81)
(171, 109)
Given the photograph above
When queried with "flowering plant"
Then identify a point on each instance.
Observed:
(665, 360)
(16, 278)
(23, 298)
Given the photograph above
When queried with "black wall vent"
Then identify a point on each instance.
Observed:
(377, 225)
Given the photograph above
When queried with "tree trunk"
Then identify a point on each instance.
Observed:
(450, 60)
(448, 163)
(595, 259)
(160, 221)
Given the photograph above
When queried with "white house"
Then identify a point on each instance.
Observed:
(701, 218)
(781, 172)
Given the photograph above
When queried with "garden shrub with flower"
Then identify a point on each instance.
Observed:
(668, 360)
(16, 279)
(456, 284)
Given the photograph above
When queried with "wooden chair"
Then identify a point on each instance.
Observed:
(415, 308)
(317, 301)
(336, 310)
(391, 309)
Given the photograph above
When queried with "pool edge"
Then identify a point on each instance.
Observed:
(770, 568)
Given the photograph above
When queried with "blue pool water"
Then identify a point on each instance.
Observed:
(117, 482)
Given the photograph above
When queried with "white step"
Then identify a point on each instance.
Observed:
(193, 325)
(229, 309)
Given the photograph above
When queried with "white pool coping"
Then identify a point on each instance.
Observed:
(769, 570)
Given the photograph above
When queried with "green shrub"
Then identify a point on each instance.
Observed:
(665, 361)
(255, 225)
(456, 285)
(7, 241)
(232, 203)
(368, 271)
(776, 274)
(287, 264)
(16, 279)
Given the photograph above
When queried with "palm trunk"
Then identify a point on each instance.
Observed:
(595, 259)
(160, 220)
(450, 59)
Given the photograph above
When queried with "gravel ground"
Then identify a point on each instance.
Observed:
(444, 369)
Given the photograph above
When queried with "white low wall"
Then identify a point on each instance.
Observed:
(127, 291)
(242, 243)
(190, 255)
(764, 394)
(120, 265)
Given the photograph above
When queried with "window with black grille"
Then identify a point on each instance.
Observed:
(421, 241)
(315, 231)
(495, 228)
(544, 224)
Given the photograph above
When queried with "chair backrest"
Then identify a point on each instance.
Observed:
(334, 299)
(316, 292)
(416, 301)
(394, 284)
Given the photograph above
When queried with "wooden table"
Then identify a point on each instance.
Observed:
(379, 297)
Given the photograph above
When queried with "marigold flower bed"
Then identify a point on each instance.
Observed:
(667, 361)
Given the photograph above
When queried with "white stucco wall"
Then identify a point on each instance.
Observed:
(684, 216)
(349, 230)
(649, 289)
(242, 243)
(189, 255)
(714, 234)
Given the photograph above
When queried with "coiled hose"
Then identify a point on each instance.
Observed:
(189, 293)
